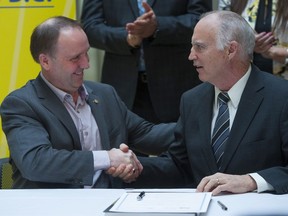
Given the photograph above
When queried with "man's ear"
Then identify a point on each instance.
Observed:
(44, 61)
(232, 49)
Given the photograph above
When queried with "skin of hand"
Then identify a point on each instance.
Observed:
(117, 157)
(221, 182)
(134, 40)
(278, 54)
(127, 172)
(145, 25)
(263, 42)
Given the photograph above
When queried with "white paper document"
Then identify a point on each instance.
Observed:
(162, 202)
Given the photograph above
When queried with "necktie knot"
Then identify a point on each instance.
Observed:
(223, 97)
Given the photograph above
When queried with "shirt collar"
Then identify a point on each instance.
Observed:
(61, 94)
(236, 91)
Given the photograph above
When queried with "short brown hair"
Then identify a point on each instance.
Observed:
(45, 36)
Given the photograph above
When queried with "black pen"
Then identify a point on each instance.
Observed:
(222, 205)
(140, 196)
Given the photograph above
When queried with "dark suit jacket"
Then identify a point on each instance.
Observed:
(170, 73)
(258, 140)
(44, 143)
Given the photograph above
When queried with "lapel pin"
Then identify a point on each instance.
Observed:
(95, 101)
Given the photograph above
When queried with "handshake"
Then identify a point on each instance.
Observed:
(124, 164)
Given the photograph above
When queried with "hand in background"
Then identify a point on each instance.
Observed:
(145, 25)
(276, 53)
(221, 182)
(128, 172)
(263, 42)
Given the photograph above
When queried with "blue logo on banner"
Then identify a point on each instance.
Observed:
(12, 5)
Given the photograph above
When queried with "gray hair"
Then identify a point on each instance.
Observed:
(233, 27)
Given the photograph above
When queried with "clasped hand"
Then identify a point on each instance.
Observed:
(124, 164)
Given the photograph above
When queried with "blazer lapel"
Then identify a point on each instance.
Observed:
(94, 102)
(249, 104)
(53, 104)
(205, 107)
(205, 129)
(151, 2)
(134, 7)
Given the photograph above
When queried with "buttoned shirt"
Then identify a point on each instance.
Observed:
(86, 126)
(235, 94)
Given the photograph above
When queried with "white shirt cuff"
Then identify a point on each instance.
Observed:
(101, 160)
(262, 184)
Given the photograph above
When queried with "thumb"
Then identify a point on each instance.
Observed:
(146, 6)
(123, 147)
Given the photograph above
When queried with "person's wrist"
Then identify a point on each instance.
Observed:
(134, 41)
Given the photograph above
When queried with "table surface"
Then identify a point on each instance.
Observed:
(92, 202)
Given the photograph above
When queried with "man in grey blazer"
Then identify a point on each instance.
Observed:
(255, 153)
(63, 132)
(151, 88)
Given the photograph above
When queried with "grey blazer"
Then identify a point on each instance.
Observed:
(258, 140)
(169, 71)
(44, 143)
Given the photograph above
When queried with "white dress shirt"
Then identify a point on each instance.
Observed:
(235, 94)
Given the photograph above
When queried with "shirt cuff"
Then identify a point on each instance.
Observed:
(262, 184)
(101, 160)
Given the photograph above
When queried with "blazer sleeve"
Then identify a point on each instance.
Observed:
(29, 129)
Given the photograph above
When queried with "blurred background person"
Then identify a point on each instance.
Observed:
(269, 19)
(146, 47)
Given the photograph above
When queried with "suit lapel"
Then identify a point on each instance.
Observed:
(151, 2)
(55, 106)
(134, 7)
(205, 127)
(202, 115)
(249, 104)
(94, 102)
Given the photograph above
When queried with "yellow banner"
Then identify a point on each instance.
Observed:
(18, 18)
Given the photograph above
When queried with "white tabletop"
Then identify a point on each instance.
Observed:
(92, 202)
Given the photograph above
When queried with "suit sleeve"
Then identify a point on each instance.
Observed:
(37, 157)
(101, 35)
(278, 176)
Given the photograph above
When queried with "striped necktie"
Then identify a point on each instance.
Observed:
(221, 128)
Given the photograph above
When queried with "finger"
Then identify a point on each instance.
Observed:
(131, 176)
(211, 185)
(123, 147)
(202, 184)
(146, 6)
(137, 165)
(119, 170)
(128, 171)
(220, 186)
(111, 170)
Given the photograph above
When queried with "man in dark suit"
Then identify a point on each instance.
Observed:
(255, 143)
(63, 132)
(150, 86)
